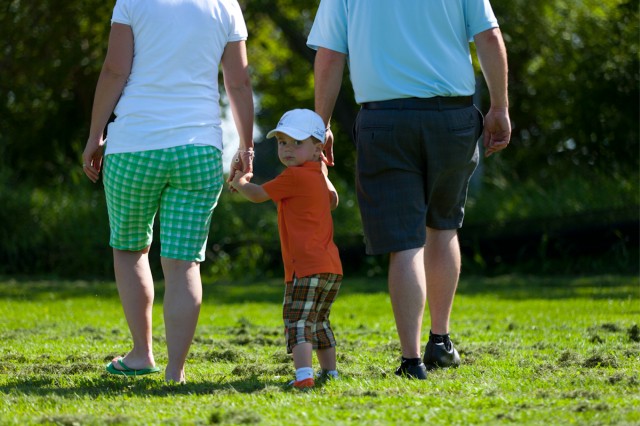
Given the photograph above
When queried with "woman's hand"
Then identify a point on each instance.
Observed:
(92, 158)
(241, 162)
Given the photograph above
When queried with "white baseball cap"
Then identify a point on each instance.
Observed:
(300, 124)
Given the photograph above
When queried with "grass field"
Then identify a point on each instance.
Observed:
(535, 350)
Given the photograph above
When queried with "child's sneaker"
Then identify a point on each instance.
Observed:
(303, 384)
(327, 375)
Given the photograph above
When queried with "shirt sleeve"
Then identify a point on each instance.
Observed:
(329, 28)
(479, 17)
(237, 25)
(283, 186)
(121, 13)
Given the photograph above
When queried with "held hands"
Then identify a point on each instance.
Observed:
(92, 158)
(327, 150)
(240, 179)
(252, 192)
(241, 164)
(497, 130)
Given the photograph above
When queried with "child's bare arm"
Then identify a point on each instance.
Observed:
(333, 192)
(250, 191)
(332, 189)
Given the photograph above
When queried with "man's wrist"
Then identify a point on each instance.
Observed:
(499, 107)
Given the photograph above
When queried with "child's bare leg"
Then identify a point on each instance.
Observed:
(302, 355)
(322, 328)
(302, 358)
(327, 358)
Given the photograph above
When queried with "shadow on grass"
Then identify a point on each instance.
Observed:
(226, 292)
(521, 287)
(25, 288)
(516, 287)
(92, 386)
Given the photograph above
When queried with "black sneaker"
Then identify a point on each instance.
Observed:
(412, 371)
(440, 353)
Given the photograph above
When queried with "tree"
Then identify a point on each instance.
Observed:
(574, 103)
(573, 82)
(52, 51)
(282, 71)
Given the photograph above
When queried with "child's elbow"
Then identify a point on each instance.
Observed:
(334, 200)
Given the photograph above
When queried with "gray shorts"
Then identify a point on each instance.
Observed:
(414, 163)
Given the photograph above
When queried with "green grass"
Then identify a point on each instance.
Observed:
(552, 350)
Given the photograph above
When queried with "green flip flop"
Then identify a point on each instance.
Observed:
(126, 371)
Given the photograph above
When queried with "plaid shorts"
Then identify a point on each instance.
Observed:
(182, 183)
(306, 308)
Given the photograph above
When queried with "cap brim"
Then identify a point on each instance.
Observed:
(294, 133)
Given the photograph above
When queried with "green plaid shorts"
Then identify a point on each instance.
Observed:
(306, 308)
(182, 184)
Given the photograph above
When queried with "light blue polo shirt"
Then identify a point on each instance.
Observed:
(408, 48)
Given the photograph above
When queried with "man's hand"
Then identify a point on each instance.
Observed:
(497, 130)
(327, 150)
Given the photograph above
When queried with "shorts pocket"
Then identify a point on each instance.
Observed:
(463, 121)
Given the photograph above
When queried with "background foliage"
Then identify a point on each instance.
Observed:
(572, 165)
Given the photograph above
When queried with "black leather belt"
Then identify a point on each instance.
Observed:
(435, 103)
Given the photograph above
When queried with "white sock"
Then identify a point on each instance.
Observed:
(332, 374)
(304, 373)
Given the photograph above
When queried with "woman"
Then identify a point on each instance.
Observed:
(164, 155)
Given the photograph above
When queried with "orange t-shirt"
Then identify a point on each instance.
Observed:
(304, 221)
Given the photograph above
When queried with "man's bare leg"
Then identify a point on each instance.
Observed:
(407, 288)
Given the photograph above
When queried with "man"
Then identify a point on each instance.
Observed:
(416, 139)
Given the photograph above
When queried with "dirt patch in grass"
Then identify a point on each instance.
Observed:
(233, 417)
(228, 355)
(258, 370)
(568, 358)
(70, 420)
(597, 360)
(585, 406)
(580, 394)
(282, 357)
(58, 369)
(596, 335)
(634, 333)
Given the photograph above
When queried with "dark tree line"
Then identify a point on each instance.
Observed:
(573, 81)
(574, 93)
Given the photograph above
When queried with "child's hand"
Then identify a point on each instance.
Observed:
(255, 193)
(240, 178)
